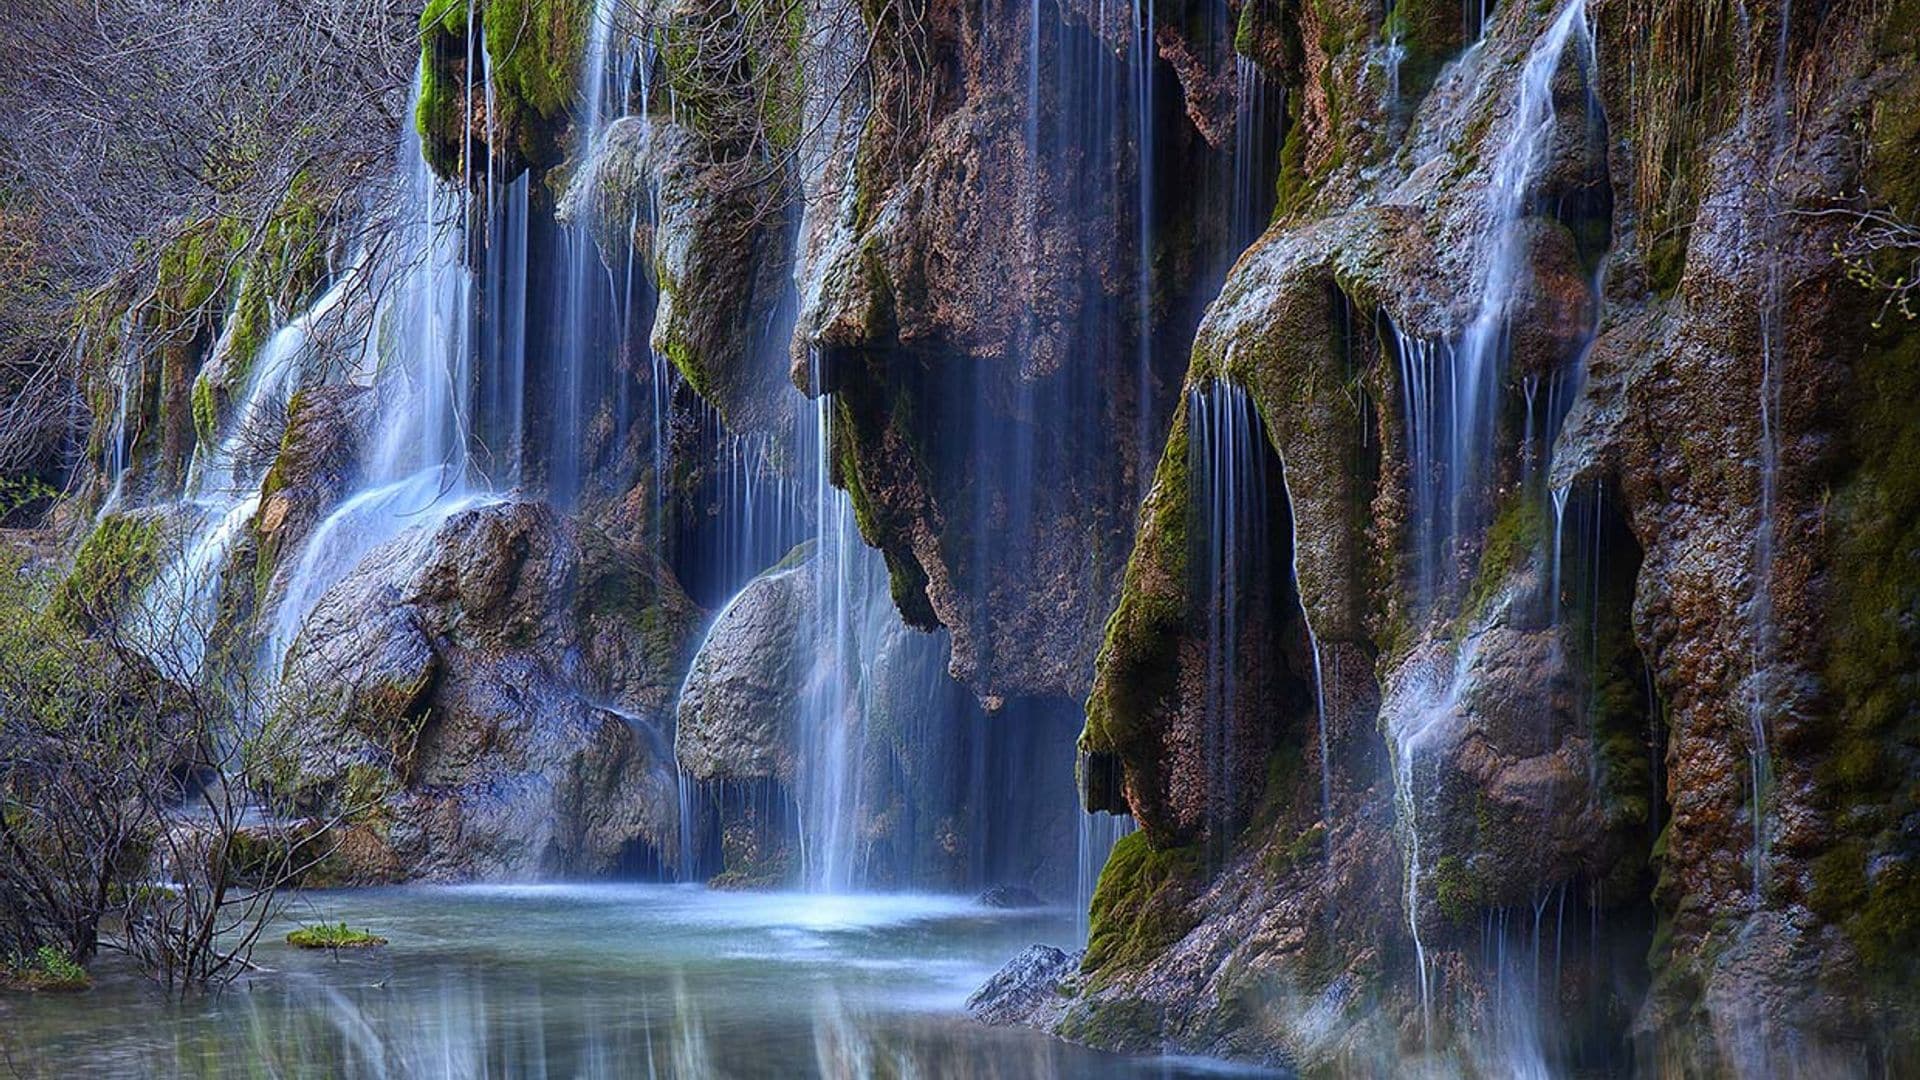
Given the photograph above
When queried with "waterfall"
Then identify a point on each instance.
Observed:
(1258, 102)
(581, 354)
(117, 452)
(851, 607)
(1451, 395)
(178, 611)
(420, 361)
(1772, 311)
(1227, 459)
(1097, 832)
(1143, 60)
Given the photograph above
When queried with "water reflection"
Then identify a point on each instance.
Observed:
(603, 981)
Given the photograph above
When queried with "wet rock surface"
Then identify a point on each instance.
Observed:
(444, 705)
(1030, 989)
(742, 693)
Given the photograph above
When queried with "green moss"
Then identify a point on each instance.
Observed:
(117, 560)
(1457, 890)
(192, 269)
(535, 48)
(1304, 848)
(1667, 259)
(46, 969)
(1293, 186)
(1140, 906)
(332, 936)
(1684, 92)
(1430, 32)
(1124, 1024)
(1512, 537)
(1135, 669)
(1872, 772)
(1893, 141)
(206, 415)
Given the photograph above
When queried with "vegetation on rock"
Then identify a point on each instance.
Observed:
(332, 936)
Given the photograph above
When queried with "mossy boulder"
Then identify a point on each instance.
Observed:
(471, 709)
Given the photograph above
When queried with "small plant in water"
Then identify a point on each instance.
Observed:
(332, 936)
(48, 968)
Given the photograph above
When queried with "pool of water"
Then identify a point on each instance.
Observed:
(587, 980)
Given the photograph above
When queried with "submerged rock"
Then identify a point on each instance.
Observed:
(1010, 897)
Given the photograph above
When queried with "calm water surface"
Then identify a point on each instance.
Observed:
(570, 981)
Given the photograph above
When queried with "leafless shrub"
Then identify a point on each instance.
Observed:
(131, 752)
(1881, 253)
(126, 123)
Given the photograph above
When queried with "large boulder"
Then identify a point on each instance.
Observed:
(457, 705)
(737, 709)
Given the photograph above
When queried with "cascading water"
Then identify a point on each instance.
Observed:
(832, 722)
(1227, 461)
(1143, 58)
(580, 349)
(178, 611)
(1760, 697)
(118, 457)
(416, 472)
(1259, 103)
(1452, 394)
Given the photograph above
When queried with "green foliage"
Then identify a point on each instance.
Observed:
(117, 560)
(20, 491)
(47, 968)
(332, 936)
(1140, 906)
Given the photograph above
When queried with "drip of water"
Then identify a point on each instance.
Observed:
(1473, 19)
(1559, 525)
(1144, 57)
(1227, 461)
(1097, 833)
(118, 455)
(1258, 105)
(1771, 313)
(1319, 680)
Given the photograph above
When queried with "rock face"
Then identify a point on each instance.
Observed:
(1028, 989)
(1000, 351)
(737, 708)
(477, 700)
(1585, 668)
